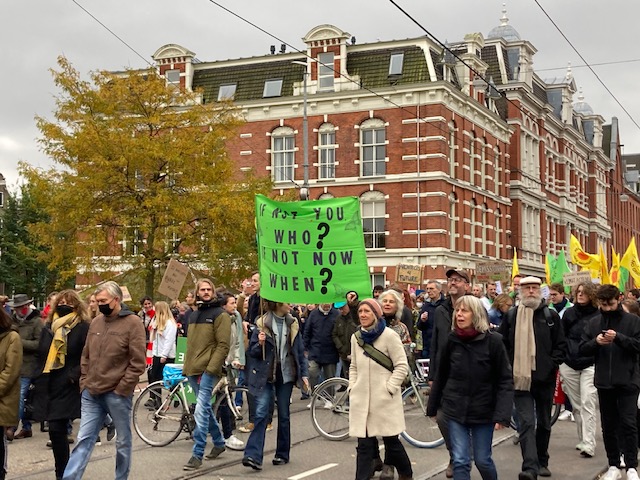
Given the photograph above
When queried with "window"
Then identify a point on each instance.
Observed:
(497, 168)
(373, 148)
(453, 221)
(395, 64)
(282, 153)
(173, 77)
(226, 92)
(327, 152)
(452, 150)
(472, 158)
(325, 71)
(484, 227)
(483, 161)
(373, 219)
(472, 223)
(133, 242)
(272, 88)
(1, 199)
(377, 279)
(498, 232)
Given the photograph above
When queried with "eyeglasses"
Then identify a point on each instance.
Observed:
(456, 280)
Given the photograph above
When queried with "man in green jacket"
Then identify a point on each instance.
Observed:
(207, 348)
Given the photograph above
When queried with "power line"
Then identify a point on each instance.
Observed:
(618, 62)
(587, 64)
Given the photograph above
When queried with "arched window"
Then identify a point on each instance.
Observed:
(326, 152)
(282, 154)
(472, 158)
(483, 160)
(498, 230)
(373, 219)
(472, 224)
(452, 149)
(497, 169)
(373, 148)
(326, 196)
(484, 227)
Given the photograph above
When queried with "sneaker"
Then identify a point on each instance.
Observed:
(613, 474)
(566, 415)
(632, 474)
(111, 432)
(309, 405)
(98, 441)
(328, 405)
(622, 464)
(246, 428)
(215, 453)
(193, 464)
(234, 443)
(269, 427)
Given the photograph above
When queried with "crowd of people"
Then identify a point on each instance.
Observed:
(494, 358)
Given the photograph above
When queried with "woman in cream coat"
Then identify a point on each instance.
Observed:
(375, 395)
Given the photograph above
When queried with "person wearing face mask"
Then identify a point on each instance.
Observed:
(27, 320)
(56, 393)
(112, 361)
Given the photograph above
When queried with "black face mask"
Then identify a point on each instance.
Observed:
(105, 309)
(63, 310)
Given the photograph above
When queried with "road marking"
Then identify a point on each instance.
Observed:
(308, 473)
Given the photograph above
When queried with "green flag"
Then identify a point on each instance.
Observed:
(311, 251)
(561, 267)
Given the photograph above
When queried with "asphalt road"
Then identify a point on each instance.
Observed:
(312, 457)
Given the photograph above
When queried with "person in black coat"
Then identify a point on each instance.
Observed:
(57, 393)
(318, 341)
(613, 338)
(473, 388)
(427, 316)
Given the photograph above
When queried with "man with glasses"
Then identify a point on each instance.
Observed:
(613, 337)
(558, 301)
(535, 342)
(458, 283)
(432, 300)
(112, 361)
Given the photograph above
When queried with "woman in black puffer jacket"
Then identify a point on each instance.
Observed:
(577, 371)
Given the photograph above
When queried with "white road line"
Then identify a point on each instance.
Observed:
(308, 473)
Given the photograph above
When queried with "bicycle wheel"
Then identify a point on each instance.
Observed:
(158, 414)
(240, 396)
(330, 409)
(555, 412)
(421, 431)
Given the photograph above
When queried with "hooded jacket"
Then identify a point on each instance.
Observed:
(29, 330)
(114, 354)
(617, 363)
(10, 363)
(574, 321)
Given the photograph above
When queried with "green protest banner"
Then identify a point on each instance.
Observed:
(311, 251)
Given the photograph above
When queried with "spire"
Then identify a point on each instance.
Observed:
(504, 21)
(569, 76)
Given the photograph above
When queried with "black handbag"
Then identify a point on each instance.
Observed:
(29, 398)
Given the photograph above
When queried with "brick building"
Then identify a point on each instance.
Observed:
(456, 155)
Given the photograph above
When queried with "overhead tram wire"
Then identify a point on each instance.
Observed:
(587, 64)
(460, 139)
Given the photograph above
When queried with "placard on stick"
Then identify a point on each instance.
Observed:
(409, 273)
(126, 296)
(571, 279)
(173, 279)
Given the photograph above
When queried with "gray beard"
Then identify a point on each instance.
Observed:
(531, 302)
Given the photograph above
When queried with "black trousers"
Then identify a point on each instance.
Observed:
(59, 444)
(155, 374)
(394, 454)
(3, 452)
(618, 409)
(533, 409)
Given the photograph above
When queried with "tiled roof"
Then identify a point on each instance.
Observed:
(490, 56)
(540, 92)
(373, 67)
(249, 79)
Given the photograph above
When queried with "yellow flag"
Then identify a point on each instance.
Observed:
(515, 270)
(614, 273)
(631, 262)
(604, 268)
(581, 258)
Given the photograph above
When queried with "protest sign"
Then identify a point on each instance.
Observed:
(126, 296)
(173, 279)
(571, 279)
(311, 251)
(409, 273)
(493, 271)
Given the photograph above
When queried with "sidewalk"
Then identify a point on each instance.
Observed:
(565, 462)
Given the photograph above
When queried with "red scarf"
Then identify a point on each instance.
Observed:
(467, 334)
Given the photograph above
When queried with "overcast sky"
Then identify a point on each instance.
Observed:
(35, 32)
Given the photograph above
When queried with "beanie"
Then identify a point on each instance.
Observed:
(374, 305)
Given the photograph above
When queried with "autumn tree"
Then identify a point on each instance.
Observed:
(141, 174)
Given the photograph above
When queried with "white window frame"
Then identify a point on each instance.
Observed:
(373, 209)
(396, 63)
(326, 73)
(327, 152)
(272, 88)
(376, 148)
(283, 155)
(227, 91)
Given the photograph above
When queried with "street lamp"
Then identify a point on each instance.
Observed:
(304, 190)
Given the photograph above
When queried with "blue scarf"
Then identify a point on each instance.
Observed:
(370, 336)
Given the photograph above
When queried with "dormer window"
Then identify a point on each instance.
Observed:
(325, 71)
(173, 77)
(395, 64)
(272, 88)
(226, 92)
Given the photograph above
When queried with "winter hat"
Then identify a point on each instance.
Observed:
(374, 305)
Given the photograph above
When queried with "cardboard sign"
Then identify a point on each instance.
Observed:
(409, 273)
(571, 279)
(173, 279)
(311, 251)
(493, 271)
(126, 296)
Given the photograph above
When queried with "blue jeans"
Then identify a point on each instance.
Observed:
(24, 387)
(94, 410)
(463, 437)
(264, 401)
(206, 422)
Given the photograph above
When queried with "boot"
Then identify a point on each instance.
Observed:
(377, 466)
(387, 473)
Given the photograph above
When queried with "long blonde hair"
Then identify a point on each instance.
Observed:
(162, 316)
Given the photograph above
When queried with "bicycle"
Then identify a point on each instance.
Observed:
(330, 410)
(161, 412)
